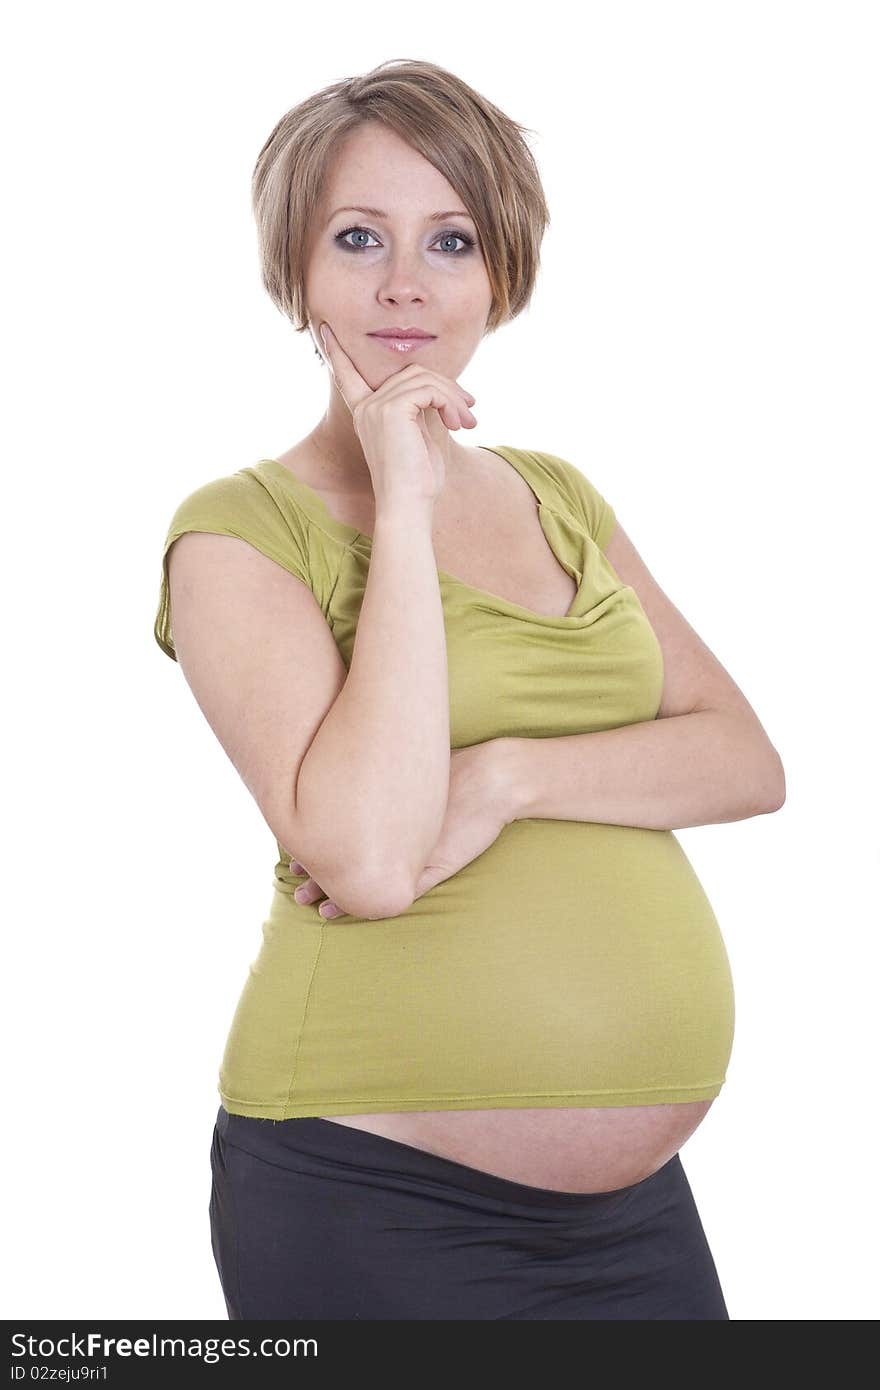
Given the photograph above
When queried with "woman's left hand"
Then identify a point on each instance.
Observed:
(478, 808)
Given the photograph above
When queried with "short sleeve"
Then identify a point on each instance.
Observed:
(593, 510)
(236, 505)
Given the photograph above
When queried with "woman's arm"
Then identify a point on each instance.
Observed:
(706, 758)
(378, 767)
(701, 768)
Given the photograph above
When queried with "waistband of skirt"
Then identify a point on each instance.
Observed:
(282, 1141)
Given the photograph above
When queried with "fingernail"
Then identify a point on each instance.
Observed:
(299, 894)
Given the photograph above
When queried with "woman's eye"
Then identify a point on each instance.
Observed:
(466, 241)
(458, 236)
(360, 231)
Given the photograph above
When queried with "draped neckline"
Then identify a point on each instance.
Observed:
(554, 524)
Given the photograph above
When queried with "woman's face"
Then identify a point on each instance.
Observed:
(403, 269)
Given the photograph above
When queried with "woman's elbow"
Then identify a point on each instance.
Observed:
(376, 897)
(775, 795)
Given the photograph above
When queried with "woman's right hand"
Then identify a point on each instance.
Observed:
(403, 425)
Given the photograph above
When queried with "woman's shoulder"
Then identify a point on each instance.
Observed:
(247, 503)
(236, 501)
(564, 485)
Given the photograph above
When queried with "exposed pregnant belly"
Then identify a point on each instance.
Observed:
(560, 1012)
(569, 1150)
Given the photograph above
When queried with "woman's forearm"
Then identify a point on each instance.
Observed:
(377, 771)
(702, 768)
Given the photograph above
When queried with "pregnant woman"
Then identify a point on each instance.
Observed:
(491, 1000)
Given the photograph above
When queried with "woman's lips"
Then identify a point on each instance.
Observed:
(400, 344)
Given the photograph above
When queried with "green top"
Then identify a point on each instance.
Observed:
(572, 962)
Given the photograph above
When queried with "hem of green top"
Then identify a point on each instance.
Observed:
(497, 1101)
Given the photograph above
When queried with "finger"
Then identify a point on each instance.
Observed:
(458, 397)
(297, 868)
(329, 909)
(461, 417)
(429, 392)
(308, 892)
(458, 417)
(431, 875)
(352, 387)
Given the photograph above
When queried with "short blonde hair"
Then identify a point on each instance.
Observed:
(479, 150)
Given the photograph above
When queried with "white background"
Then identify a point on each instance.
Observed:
(702, 343)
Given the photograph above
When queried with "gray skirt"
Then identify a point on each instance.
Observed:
(315, 1220)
